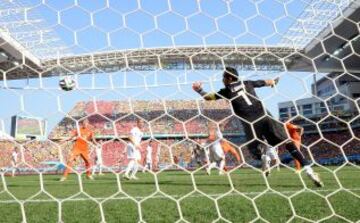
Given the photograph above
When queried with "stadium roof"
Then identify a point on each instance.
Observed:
(334, 49)
(320, 48)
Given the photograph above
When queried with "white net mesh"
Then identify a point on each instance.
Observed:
(134, 63)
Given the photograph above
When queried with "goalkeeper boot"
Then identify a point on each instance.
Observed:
(316, 179)
(313, 176)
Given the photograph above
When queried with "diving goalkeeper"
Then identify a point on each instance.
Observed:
(248, 106)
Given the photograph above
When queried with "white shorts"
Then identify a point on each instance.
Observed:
(216, 152)
(272, 153)
(130, 148)
(137, 154)
(99, 162)
(148, 160)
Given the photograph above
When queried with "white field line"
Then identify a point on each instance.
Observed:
(173, 196)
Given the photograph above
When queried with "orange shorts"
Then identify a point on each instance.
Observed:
(74, 154)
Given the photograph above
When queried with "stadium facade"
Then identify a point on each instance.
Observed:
(333, 93)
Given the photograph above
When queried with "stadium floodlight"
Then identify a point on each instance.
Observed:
(353, 39)
(3, 56)
(15, 63)
(337, 52)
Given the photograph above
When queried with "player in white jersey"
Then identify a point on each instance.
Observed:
(14, 161)
(157, 158)
(136, 134)
(133, 166)
(148, 157)
(133, 151)
(98, 160)
(216, 153)
(269, 156)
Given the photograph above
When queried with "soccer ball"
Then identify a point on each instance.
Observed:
(67, 83)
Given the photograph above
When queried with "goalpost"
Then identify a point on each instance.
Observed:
(125, 61)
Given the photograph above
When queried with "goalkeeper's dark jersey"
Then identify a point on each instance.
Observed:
(245, 105)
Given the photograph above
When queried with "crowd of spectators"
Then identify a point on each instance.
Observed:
(332, 148)
(167, 116)
(32, 155)
(7, 148)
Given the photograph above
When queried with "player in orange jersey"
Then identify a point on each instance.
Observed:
(80, 148)
(295, 133)
(230, 149)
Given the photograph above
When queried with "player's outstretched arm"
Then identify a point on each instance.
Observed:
(272, 82)
(93, 140)
(73, 136)
(300, 130)
(263, 83)
(197, 86)
(66, 139)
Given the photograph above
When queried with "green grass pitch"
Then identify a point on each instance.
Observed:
(242, 196)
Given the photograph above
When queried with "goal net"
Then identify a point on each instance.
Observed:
(179, 111)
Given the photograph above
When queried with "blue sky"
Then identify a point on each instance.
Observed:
(91, 26)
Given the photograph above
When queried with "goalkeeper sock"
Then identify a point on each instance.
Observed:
(308, 170)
